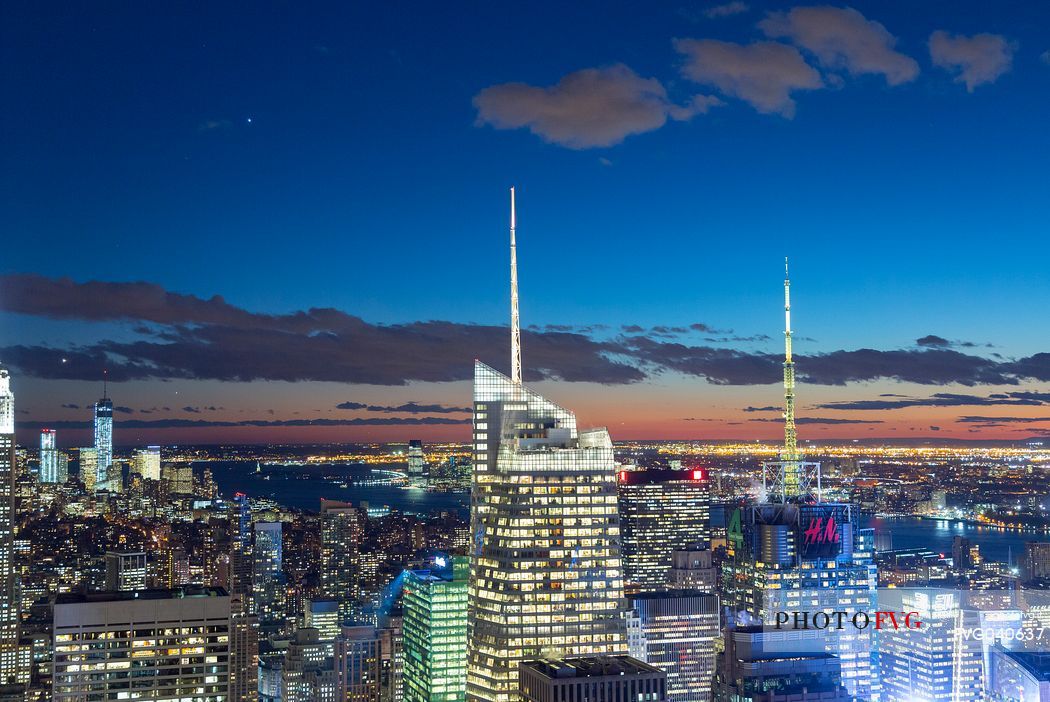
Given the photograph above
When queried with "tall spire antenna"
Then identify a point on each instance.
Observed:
(515, 323)
(105, 377)
(790, 452)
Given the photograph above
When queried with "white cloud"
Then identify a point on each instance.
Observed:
(589, 108)
(763, 74)
(842, 38)
(726, 10)
(974, 60)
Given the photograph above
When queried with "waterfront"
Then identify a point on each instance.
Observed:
(303, 487)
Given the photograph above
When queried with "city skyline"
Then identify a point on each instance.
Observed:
(325, 302)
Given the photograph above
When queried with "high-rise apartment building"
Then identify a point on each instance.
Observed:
(125, 570)
(309, 672)
(244, 622)
(435, 633)
(342, 530)
(358, 657)
(158, 644)
(661, 511)
(103, 442)
(147, 463)
(9, 604)
(49, 458)
(1036, 562)
(677, 632)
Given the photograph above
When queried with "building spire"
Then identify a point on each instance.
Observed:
(515, 323)
(105, 379)
(790, 452)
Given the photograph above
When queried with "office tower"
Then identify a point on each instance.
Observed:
(661, 511)
(244, 622)
(417, 463)
(791, 667)
(1036, 563)
(936, 661)
(545, 572)
(965, 554)
(677, 631)
(592, 679)
(693, 570)
(87, 460)
(358, 657)
(795, 552)
(103, 441)
(435, 625)
(309, 672)
(179, 478)
(140, 629)
(147, 463)
(1018, 676)
(9, 604)
(48, 457)
(342, 529)
(125, 570)
(322, 615)
(268, 583)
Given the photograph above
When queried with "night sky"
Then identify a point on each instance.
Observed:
(288, 222)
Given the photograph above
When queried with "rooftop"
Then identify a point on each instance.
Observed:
(186, 591)
(591, 667)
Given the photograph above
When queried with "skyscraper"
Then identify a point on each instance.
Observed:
(9, 606)
(435, 625)
(342, 529)
(661, 511)
(545, 572)
(147, 463)
(103, 441)
(795, 552)
(88, 460)
(268, 582)
(677, 631)
(125, 570)
(140, 630)
(48, 457)
(417, 463)
(244, 622)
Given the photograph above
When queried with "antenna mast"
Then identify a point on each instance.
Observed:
(790, 452)
(515, 323)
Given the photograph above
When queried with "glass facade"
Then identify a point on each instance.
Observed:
(435, 634)
(675, 631)
(661, 511)
(9, 605)
(342, 529)
(546, 576)
(267, 572)
(48, 457)
(103, 442)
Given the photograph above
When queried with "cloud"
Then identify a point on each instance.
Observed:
(192, 410)
(763, 74)
(198, 423)
(71, 406)
(410, 407)
(185, 337)
(943, 399)
(1045, 57)
(589, 108)
(843, 39)
(933, 340)
(974, 419)
(821, 420)
(119, 409)
(768, 408)
(726, 10)
(974, 60)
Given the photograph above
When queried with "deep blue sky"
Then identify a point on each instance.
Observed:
(288, 157)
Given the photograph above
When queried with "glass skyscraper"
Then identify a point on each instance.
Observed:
(435, 633)
(546, 577)
(103, 442)
(268, 572)
(342, 529)
(48, 457)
